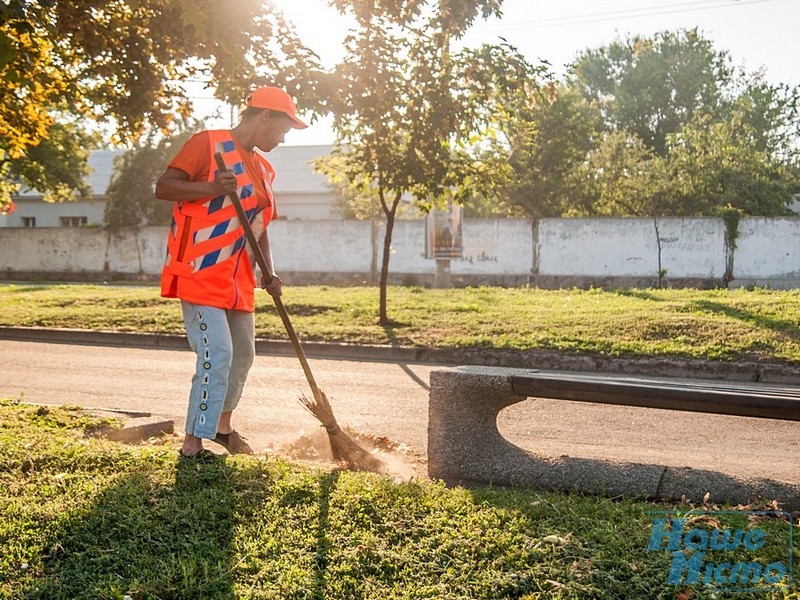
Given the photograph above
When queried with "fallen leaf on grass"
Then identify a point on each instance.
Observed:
(555, 540)
(686, 594)
(704, 519)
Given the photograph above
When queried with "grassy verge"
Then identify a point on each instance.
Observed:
(86, 518)
(711, 324)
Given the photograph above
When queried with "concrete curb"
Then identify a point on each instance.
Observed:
(94, 338)
(565, 473)
(530, 359)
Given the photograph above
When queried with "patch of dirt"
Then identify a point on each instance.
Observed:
(401, 463)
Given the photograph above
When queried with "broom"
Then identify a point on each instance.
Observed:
(343, 447)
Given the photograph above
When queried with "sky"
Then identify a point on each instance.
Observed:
(757, 34)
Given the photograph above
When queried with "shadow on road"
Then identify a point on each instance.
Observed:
(414, 377)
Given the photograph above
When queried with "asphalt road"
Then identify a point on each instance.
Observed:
(390, 399)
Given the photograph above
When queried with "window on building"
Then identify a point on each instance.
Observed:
(29, 221)
(74, 221)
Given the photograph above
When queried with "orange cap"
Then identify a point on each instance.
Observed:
(275, 98)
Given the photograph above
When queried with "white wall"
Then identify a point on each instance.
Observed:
(495, 247)
(613, 247)
(328, 246)
(768, 250)
(81, 249)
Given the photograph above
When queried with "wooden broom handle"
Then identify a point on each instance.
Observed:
(266, 271)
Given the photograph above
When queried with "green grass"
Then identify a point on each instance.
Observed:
(87, 518)
(759, 325)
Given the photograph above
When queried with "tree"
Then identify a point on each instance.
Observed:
(56, 166)
(718, 164)
(356, 196)
(401, 100)
(131, 200)
(682, 134)
(651, 87)
(621, 177)
(123, 60)
(549, 132)
(772, 115)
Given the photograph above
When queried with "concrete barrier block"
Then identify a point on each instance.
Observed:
(466, 447)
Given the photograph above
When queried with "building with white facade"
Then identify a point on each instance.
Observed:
(300, 192)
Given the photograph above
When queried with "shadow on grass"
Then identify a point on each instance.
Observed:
(327, 487)
(147, 539)
(388, 331)
(640, 294)
(301, 310)
(31, 288)
(785, 327)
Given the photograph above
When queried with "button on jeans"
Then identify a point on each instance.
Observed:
(224, 342)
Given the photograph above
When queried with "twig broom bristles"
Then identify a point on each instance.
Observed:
(343, 447)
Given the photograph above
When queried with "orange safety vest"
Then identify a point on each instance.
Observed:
(208, 260)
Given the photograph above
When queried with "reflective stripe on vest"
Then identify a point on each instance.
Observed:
(206, 238)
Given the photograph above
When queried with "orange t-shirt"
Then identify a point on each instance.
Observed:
(193, 159)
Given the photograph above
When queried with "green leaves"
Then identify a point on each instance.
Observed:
(118, 62)
(721, 163)
(651, 126)
(405, 100)
(131, 201)
(550, 132)
(652, 86)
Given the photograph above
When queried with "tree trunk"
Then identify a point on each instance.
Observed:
(390, 212)
(662, 272)
(533, 278)
(383, 318)
(373, 242)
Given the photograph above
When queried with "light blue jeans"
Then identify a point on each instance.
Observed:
(224, 342)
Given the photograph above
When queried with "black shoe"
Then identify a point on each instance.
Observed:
(201, 455)
(233, 443)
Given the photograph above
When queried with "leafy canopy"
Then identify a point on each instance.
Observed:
(122, 62)
(653, 126)
(651, 87)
